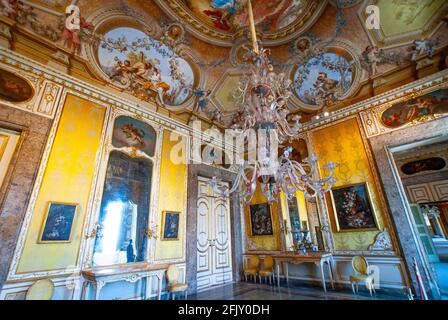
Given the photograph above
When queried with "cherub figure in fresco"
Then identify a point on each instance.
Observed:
(74, 24)
(420, 47)
(134, 135)
(371, 58)
(9, 8)
(324, 87)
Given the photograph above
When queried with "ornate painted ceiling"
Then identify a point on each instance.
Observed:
(186, 56)
(222, 21)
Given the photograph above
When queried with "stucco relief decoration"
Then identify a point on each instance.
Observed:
(382, 242)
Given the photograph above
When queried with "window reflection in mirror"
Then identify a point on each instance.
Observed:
(123, 221)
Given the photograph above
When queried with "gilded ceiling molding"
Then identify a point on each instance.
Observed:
(437, 80)
(178, 11)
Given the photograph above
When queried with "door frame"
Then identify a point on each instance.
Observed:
(431, 278)
(194, 171)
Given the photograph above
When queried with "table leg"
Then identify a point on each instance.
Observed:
(330, 269)
(278, 273)
(148, 288)
(96, 291)
(84, 290)
(286, 272)
(159, 288)
(322, 273)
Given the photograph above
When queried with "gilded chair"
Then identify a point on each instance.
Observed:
(40, 290)
(267, 270)
(363, 274)
(252, 267)
(173, 284)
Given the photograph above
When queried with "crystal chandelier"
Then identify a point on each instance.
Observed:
(262, 97)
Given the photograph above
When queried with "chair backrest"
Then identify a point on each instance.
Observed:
(253, 262)
(40, 290)
(172, 274)
(360, 264)
(268, 263)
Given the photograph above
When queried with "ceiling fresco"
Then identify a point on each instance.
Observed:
(149, 70)
(188, 55)
(402, 21)
(222, 21)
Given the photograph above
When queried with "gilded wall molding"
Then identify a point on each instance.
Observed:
(18, 63)
(13, 274)
(385, 100)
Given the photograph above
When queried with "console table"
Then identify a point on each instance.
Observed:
(317, 258)
(98, 277)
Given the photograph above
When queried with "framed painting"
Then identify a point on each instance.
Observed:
(132, 133)
(416, 109)
(353, 208)
(14, 88)
(261, 220)
(58, 223)
(170, 225)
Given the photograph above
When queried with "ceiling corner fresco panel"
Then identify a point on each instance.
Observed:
(225, 20)
(402, 21)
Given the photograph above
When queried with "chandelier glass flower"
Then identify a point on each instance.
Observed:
(262, 97)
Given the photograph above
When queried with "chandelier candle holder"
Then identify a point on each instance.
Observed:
(261, 97)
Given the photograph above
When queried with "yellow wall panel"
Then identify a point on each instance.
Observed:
(172, 196)
(68, 179)
(268, 243)
(343, 144)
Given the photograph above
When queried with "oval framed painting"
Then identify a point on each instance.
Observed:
(428, 164)
(14, 88)
(416, 109)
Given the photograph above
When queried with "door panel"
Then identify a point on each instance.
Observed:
(214, 242)
(423, 231)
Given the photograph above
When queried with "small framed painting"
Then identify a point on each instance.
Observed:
(261, 220)
(170, 223)
(58, 223)
(353, 208)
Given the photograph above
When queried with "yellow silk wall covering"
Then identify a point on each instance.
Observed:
(68, 179)
(269, 243)
(342, 143)
(172, 193)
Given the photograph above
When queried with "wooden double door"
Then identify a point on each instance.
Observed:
(214, 250)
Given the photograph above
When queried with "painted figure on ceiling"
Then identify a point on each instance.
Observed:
(74, 24)
(202, 97)
(9, 8)
(226, 15)
(371, 58)
(222, 9)
(324, 87)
